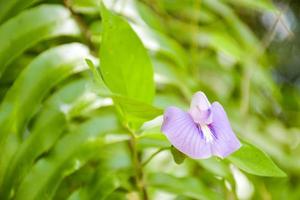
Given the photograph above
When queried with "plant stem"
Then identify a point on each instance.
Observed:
(153, 155)
(139, 175)
(83, 27)
(245, 90)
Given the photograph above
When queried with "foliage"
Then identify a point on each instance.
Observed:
(83, 85)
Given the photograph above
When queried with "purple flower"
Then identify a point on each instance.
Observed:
(201, 132)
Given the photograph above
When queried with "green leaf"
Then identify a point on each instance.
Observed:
(217, 167)
(264, 5)
(85, 6)
(102, 185)
(162, 45)
(178, 156)
(31, 26)
(222, 42)
(24, 97)
(50, 127)
(187, 186)
(125, 63)
(47, 129)
(241, 31)
(254, 161)
(150, 17)
(135, 110)
(12, 7)
(153, 138)
(101, 87)
(70, 153)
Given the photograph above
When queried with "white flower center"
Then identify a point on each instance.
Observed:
(208, 135)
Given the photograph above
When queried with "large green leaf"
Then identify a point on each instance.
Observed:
(254, 161)
(125, 63)
(132, 110)
(31, 26)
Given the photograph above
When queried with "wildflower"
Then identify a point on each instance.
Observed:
(201, 132)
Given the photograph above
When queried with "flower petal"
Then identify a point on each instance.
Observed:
(225, 141)
(184, 134)
(200, 109)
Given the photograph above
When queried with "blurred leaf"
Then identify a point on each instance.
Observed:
(69, 154)
(178, 156)
(102, 185)
(162, 45)
(254, 161)
(125, 63)
(120, 195)
(32, 26)
(241, 31)
(264, 5)
(85, 6)
(24, 97)
(50, 127)
(47, 129)
(150, 17)
(217, 167)
(187, 186)
(221, 42)
(153, 138)
(11, 8)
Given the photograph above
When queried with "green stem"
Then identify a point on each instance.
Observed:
(245, 90)
(153, 155)
(139, 175)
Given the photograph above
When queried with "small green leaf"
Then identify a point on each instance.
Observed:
(135, 110)
(125, 64)
(101, 87)
(178, 156)
(254, 161)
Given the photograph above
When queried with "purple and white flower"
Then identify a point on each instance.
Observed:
(201, 132)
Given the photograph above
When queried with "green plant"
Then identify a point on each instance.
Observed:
(78, 124)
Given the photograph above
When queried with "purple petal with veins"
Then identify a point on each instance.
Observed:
(226, 142)
(202, 132)
(184, 134)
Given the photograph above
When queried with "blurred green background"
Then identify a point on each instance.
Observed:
(60, 138)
